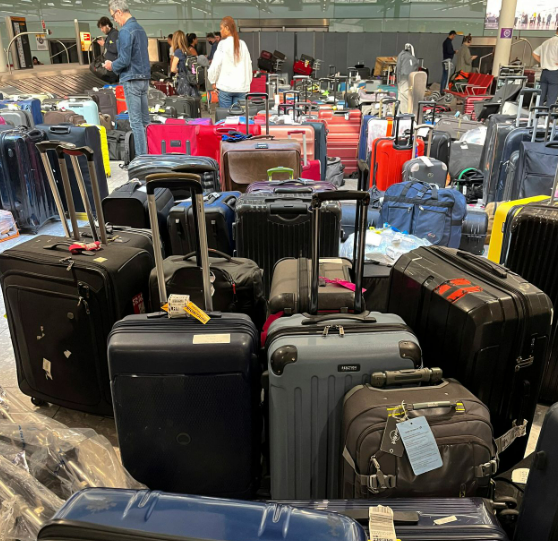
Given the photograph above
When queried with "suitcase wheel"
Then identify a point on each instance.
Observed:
(38, 402)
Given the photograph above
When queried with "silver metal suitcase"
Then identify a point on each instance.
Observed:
(313, 361)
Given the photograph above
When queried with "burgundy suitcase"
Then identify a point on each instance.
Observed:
(166, 87)
(311, 169)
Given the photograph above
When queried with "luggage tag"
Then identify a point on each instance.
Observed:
(179, 306)
(381, 524)
(391, 440)
(420, 445)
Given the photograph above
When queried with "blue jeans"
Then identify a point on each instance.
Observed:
(444, 79)
(549, 87)
(226, 99)
(135, 92)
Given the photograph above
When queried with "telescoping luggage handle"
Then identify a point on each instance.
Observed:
(305, 150)
(396, 124)
(265, 96)
(540, 112)
(430, 129)
(74, 152)
(392, 378)
(363, 200)
(553, 115)
(387, 101)
(423, 104)
(524, 92)
(194, 184)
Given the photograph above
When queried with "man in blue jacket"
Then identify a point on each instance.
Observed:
(448, 52)
(132, 65)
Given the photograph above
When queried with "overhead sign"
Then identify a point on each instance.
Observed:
(42, 44)
(85, 38)
(506, 33)
(21, 48)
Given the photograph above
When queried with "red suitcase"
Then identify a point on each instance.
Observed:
(302, 67)
(203, 140)
(343, 136)
(166, 87)
(259, 83)
(389, 154)
(311, 169)
(121, 106)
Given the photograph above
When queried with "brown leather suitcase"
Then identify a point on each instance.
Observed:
(248, 161)
(60, 117)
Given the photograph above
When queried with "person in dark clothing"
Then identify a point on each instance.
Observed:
(212, 40)
(108, 44)
(448, 52)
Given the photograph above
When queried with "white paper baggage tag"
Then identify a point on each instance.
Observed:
(380, 523)
(426, 161)
(445, 520)
(420, 445)
(520, 476)
(176, 305)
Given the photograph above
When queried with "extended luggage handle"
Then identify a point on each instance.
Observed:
(265, 96)
(304, 148)
(387, 101)
(530, 92)
(194, 184)
(540, 112)
(273, 170)
(397, 120)
(361, 215)
(430, 129)
(422, 104)
(392, 378)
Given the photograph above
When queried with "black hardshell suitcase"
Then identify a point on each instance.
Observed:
(473, 234)
(185, 391)
(81, 136)
(23, 186)
(483, 325)
(187, 106)
(61, 307)
(538, 516)
(271, 226)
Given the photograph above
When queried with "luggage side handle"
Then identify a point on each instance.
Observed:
(497, 270)
(212, 251)
(391, 378)
(361, 318)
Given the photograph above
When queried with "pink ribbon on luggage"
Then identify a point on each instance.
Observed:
(341, 283)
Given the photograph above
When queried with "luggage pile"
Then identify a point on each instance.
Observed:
(207, 307)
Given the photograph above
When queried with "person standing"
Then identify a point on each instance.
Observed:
(547, 56)
(407, 63)
(448, 53)
(464, 58)
(186, 81)
(212, 40)
(192, 43)
(110, 43)
(231, 70)
(171, 48)
(132, 65)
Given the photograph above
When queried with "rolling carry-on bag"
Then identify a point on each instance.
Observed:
(219, 215)
(473, 232)
(425, 168)
(18, 117)
(121, 145)
(207, 168)
(69, 302)
(198, 365)
(464, 156)
(60, 117)
(187, 106)
(536, 168)
(142, 515)
(81, 136)
(82, 105)
(423, 519)
(313, 361)
(484, 326)
(23, 185)
(280, 213)
(456, 127)
(537, 517)
(460, 425)
(106, 101)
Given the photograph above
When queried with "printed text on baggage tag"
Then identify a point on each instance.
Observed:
(380, 523)
(420, 445)
(391, 440)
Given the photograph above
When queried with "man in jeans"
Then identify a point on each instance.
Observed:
(132, 65)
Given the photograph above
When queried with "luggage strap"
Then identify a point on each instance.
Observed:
(516, 431)
(375, 483)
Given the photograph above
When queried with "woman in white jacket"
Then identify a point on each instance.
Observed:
(231, 68)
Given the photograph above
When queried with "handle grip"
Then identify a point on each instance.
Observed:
(391, 378)
(72, 150)
(288, 170)
(361, 318)
(497, 270)
(173, 181)
(342, 195)
(211, 251)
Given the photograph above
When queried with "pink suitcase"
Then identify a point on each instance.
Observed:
(311, 169)
(343, 136)
(191, 121)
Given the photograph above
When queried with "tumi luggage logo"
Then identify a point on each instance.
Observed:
(348, 368)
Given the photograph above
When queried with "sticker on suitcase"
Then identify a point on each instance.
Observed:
(453, 290)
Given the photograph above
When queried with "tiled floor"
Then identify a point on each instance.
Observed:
(105, 425)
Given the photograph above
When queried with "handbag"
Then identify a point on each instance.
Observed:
(97, 68)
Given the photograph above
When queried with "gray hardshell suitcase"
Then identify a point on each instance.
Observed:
(425, 168)
(313, 361)
(456, 127)
(19, 117)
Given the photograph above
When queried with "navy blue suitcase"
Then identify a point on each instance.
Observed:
(31, 105)
(187, 395)
(219, 218)
(424, 519)
(320, 142)
(348, 214)
(538, 515)
(126, 515)
(362, 147)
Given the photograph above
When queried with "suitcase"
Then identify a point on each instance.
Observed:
(236, 109)
(31, 105)
(289, 186)
(122, 514)
(187, 106)
(127, 206)
(60, 117)
(417, 89)
(282, 216)
(537, 517)
(473, 233)
(70, 301)
(164, 86)
(425, 168)
(536, 168)
(156, 99)
(121, 145)
(18, 117)
(343, 136)
(105, 121)
(456, 127)
(441, 146)
(82, 105)
(388, 155)
(482, 325)
(104, 147)
(223, 373)
(219, 216)
(207, 168)
(23, 185)
(311, 169)
(312, 362)
(464, 156)
(80, 136)
(106, 101)
(121, 106)
(423, 519)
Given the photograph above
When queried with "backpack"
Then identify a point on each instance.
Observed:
(425, 211)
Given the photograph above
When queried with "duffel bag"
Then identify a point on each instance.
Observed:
(425, 211)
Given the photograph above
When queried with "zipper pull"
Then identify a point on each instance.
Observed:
(81, 301)
(326, 330)
(70, 262)
(341, 331)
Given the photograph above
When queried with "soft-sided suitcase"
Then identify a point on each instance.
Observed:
(343, 136)
(219, 215)
(536, 168)
(313, 360)
(121, 145)
(166, 87)
(69, 302)
(389, 155)
(538, 518)
(155, 516)
(473, 232)
(187, 106)
(81, 136)
(121, 105)
(82, 105)
(481, 324)
(456, 127)
(106, 101)
(23, 185)
(423, 519)
(460, 424)
(464, 156)
(281, 216)
(59, 117)
(425, 168)
(198, 365)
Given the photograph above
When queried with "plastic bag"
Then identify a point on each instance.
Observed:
(476, 136)
(385, 246)
(14, 410)
(8, 227)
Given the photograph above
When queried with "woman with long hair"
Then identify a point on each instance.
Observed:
(231, 69)
(192, 42)
(186, 77)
